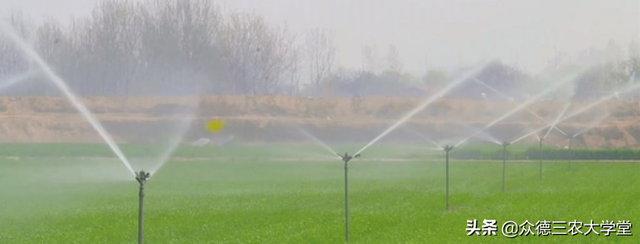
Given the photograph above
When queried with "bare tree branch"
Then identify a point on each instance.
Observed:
(320, 54)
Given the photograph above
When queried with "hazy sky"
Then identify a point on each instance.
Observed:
(428, 32)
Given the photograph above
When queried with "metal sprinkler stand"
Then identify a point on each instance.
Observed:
(504, 163)
(346, 158)
(570, 150)
(142, 178)
(540, 157)
(447, 148)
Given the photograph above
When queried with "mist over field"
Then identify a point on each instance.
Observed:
(243, 66)
(243, 120)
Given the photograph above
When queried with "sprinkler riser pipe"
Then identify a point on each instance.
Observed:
(540, 157)
(140, 213)
(346, 158)
(142, 178)
(570, 151)
(447, 178)
(504, 164)
(346, 201)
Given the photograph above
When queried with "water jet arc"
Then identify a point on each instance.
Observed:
(316, 140)
(31, 53)
(522, 106)
(10, 81)
(590, 126)
(526, 109)
(423, 105)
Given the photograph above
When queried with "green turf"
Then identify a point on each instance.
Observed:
(45, 150)
(248, 198)
(475, 150)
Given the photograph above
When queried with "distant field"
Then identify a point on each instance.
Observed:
(269, 194)
(270, 118)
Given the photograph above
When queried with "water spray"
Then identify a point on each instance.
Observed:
(526, 109)
(483, 136)
(590, 126)
(59, 82)
(522, 106)
(447, 149)
(578, 112)
(173, 146)
(423, 137)
(555, 122)
(423, 105)
(316, 140)
(346, 158)
(142, 178)
(604, 99)
(541, 139)
(12, 80)
(504, 163)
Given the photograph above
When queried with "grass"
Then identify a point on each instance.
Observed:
(242, 197)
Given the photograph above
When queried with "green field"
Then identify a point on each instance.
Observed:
(271, 194)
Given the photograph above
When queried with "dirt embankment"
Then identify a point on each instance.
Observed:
(54, 119)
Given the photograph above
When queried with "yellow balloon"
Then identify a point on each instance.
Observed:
(215, 125)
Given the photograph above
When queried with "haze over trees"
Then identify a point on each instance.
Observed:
(179, 47)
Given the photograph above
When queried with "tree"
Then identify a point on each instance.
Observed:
(320, 54)
(181, 46)
(293, 73)
(12, 59)
(504, 78)
(394, 66)
(54, 47)
(258, 54)
(558, 59)
(435, 77)
(590, 84)
(115, 37)
(612, 52)
(633, 58)
(370, 59)
(393, 62)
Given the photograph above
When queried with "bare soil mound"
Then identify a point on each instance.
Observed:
(54, 119)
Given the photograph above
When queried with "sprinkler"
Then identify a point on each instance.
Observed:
(504, 162)
(447, 148)
(570, 150)
(142, 178)
(595, 123)
(540, 156)
(346, 158)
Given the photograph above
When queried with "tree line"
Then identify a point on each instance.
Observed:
(177, 47)
(158, 47)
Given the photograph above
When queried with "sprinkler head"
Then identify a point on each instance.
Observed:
(447, 148)
(346, 157)
(506, 143)
(142, 176)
